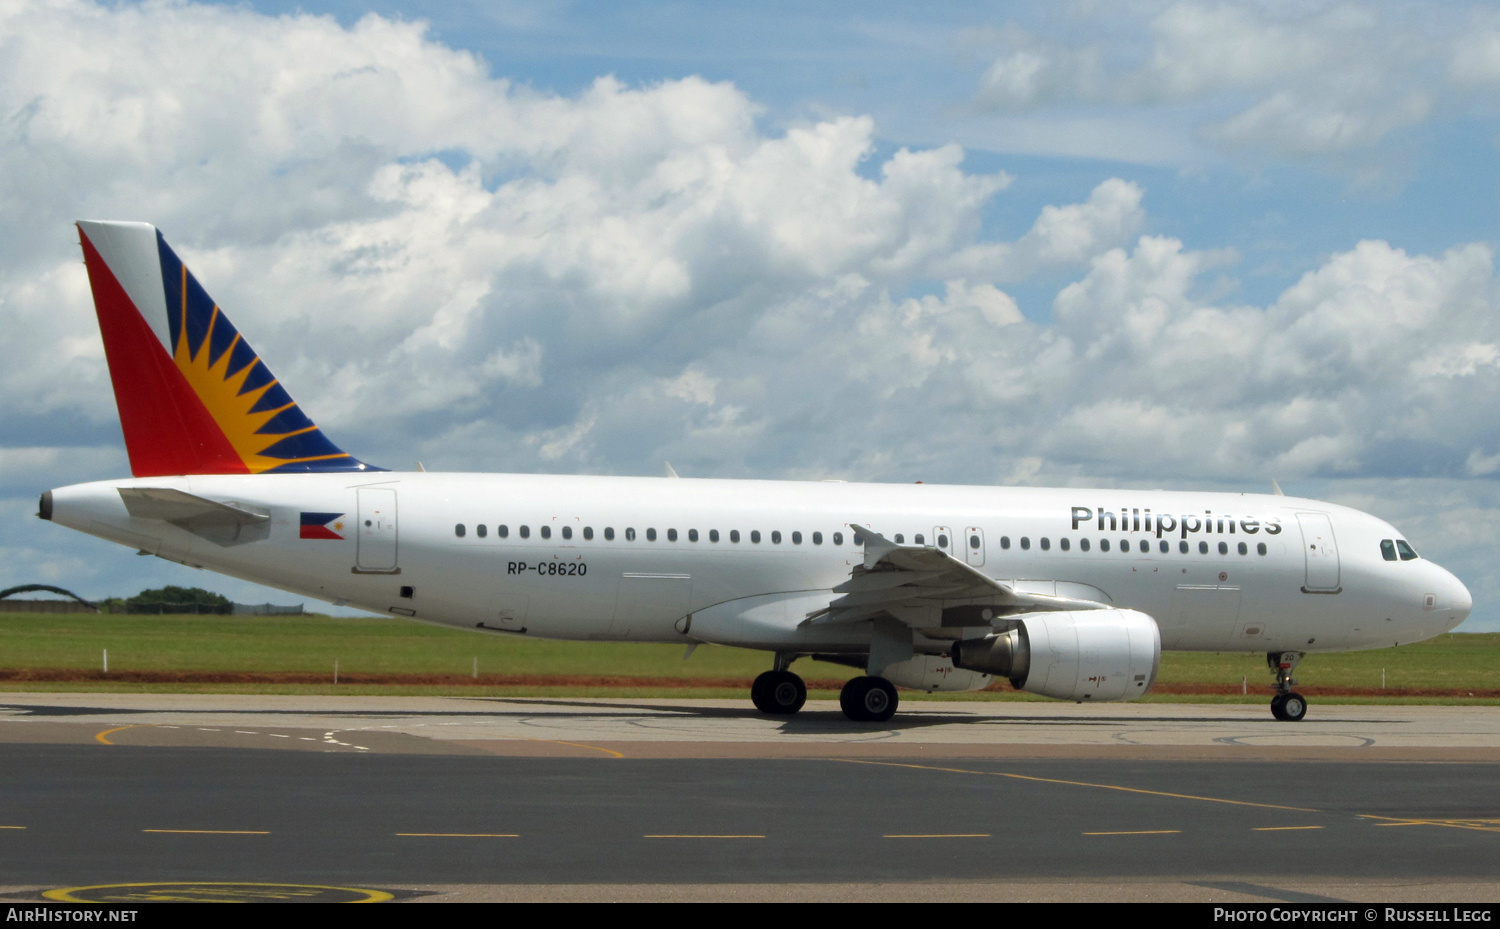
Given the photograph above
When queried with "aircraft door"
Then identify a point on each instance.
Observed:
(974, 545)
(942, 537)
(1321, 553)
(376, 545)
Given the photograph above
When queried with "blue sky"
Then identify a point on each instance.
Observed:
(1152, 244)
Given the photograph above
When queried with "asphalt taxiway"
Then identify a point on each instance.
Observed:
(507, 799)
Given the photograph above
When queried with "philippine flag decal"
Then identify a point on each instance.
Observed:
(317, 525)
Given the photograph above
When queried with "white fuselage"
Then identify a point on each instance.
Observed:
(1321, 583)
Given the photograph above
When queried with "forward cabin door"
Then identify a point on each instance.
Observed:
(376, 546)
(1321, 553)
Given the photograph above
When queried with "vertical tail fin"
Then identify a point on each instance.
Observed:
(194, 397)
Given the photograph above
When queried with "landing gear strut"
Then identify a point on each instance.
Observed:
(868, 699)
(779, 692)
(1286, 706)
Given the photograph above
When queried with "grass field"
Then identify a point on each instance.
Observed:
(310, 645)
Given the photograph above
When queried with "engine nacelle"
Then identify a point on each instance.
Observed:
(1071, 655)
(932, 673)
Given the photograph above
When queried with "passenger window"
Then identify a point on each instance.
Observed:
(942, 540)
(1182, 547)
(588, 533)
(838, 538)
(458, 530)
(755, 536)
(1165, 546)
(900, 539)
(713, 535)
(630, 534)
(734, 535)
(796, 538)
(1064, 544)
(1046, 543)
(857, 538)
(609, 533)
(525, 532)
(567, 532)
(1387, 549)
(1005, 541)
(1260, 548)
(546, 532)
(502, 530)
(1025, 543)
(1407, 552)
(776, 537)
(1244, 549)
(1104, 545)
(1203, 548)
(481, 530)
(650, 535)
(1124, 546)
(1223, 548)
(1145, 547)
(692, 535)
(818, 538)
(671, 535)
(1083, 545)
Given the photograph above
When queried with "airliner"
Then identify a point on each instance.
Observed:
(1069, 593)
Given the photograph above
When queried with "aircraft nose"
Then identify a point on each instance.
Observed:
(1459, 599)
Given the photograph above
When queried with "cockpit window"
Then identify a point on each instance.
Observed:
(1407, 552)
(1387, 549)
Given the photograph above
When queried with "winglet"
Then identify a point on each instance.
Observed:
(193, 396)
(877, 546)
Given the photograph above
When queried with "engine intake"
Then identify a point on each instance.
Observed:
(1071, 655)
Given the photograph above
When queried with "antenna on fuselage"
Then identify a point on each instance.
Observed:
(671, 472)
(1276, 488)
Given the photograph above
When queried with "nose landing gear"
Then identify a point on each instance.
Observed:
(1286, 706)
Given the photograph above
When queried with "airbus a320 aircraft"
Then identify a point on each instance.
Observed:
(1068, 593)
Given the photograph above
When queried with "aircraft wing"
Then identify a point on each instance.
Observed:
(916, 583)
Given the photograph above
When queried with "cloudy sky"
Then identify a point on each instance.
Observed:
(1194, 244)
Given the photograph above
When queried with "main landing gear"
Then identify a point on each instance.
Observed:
(1286, 706)
(868, 699)
(779, 692)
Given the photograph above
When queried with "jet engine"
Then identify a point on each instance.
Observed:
(1071, 655)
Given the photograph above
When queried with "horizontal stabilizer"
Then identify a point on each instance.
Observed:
(220, 523)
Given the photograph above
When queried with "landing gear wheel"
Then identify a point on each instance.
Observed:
(1278, 707)
(869, 699)
(1293, 708)
(778, 693)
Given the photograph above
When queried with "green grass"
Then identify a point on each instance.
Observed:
(311, 644)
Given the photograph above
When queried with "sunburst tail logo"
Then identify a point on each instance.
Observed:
(194, 397)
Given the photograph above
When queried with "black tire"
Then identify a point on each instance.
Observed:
(784, 693)
(1293, 708)
(869, 699)
(1278, 707)
(852, 698)
(759, 692)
